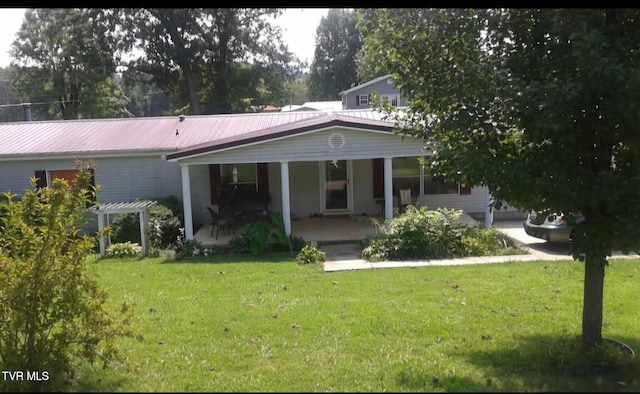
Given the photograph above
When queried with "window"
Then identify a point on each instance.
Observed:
(406, 172)
(409, 171)
(363, 99)
(437, 185)
(392, 98)
(242, 177)
(44, 178)
(68, 175)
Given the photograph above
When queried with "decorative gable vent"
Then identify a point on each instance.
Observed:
(336, 141)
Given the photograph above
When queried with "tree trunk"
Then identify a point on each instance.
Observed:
(593, 299)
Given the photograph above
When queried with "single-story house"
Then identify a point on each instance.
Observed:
(305, 163)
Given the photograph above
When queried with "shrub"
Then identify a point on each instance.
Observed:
(487, 241)
(188, 248)
(310, 255)
(260, 237)
(418, 234)
(53, 314)
(164, 228)
(123, 250)
(423, 234)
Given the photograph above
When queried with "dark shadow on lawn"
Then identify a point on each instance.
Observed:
(280, 257)
(529, 367)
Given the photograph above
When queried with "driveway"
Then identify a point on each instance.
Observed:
(538, 247)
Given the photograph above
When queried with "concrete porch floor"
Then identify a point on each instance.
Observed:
(326, 229)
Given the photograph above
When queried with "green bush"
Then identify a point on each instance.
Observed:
(486, 241)
(418, 234)
(310, 255)
(53, 314)
(164, 227)
(123, 250)
(423, 234)
(188, 248)
(261, 237)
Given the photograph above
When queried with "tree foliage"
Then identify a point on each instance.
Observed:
(540, 105)
(337, 42)
(216, 60)
(63, 55)
(53, 314)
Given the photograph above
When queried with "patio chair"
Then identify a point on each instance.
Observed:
(405, 198)
(218, 221)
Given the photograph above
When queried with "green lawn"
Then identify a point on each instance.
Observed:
(273, 325)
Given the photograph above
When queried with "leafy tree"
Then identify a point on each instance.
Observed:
(370, 60)
(61, 55)
(217, 60)
(337, 42)
(11, 111)
(297, 90)
(53, 314)
(540, 105)
(106, 100)
(145, 98)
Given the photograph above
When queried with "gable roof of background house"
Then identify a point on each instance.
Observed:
(138, 135)
(358, 87)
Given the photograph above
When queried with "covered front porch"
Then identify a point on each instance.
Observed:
(326, 176)
(325, 229)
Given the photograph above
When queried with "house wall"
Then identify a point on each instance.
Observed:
(382, 87)
(314, 146)
(121, 179)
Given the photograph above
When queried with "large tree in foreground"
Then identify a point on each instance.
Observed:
(540, 105)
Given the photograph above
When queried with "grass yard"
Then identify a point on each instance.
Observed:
(271, 325)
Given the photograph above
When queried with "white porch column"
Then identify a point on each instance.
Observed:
(388, 189)
(186, 202)
(488, 213)
(286, 205)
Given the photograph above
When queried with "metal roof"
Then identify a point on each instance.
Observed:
(166, 134)
(323, 120)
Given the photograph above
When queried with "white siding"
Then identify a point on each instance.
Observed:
(121, 179)
(314, 146)
(474, 203)
(304, 178)
(363, 202)
(200, 195)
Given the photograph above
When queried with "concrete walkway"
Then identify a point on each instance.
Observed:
(342, 257)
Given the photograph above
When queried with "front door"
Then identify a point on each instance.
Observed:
(336, 186)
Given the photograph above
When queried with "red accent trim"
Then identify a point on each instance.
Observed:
(263, 180)
(378, 178)
(214, 182)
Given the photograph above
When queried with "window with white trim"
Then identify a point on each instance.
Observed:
(363, 99)
(409, 171)
(406, 173)
(242, 176)
(391, 98)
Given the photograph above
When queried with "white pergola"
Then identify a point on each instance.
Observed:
(141, 207)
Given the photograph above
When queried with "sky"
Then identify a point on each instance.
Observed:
(298, 30)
